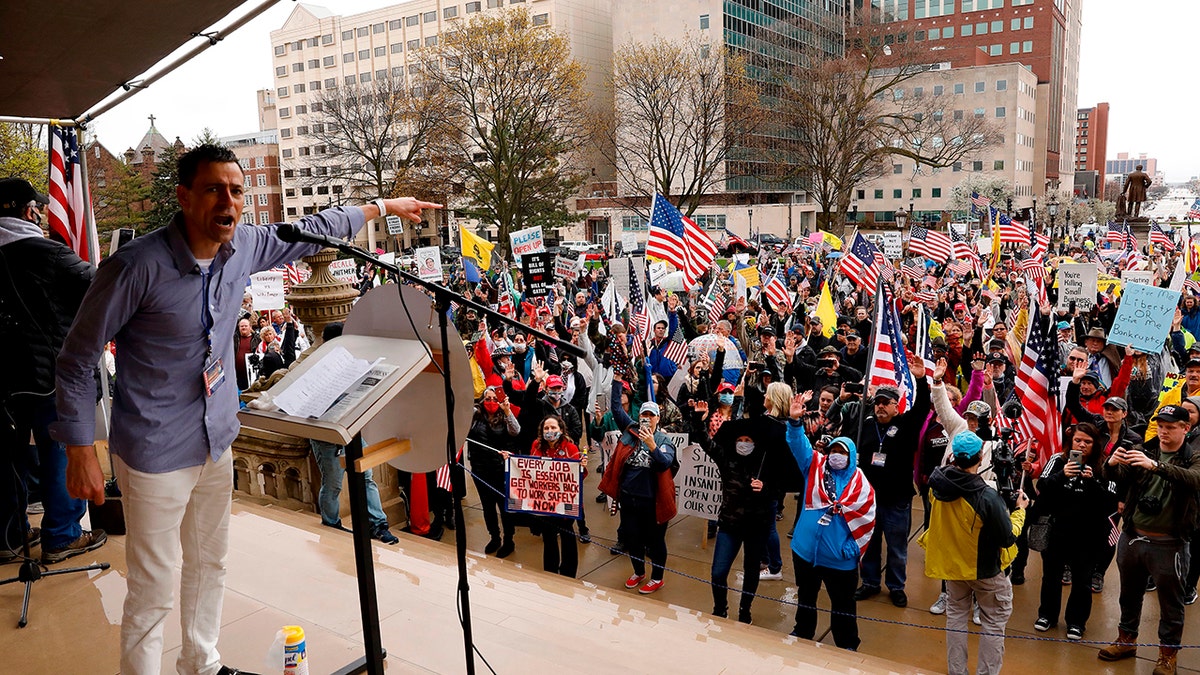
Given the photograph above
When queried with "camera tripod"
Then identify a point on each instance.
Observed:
(31, 571)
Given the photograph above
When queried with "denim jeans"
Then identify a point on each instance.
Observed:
(771, 552)
(331, 487)
(60, 523)
(750, 537)
(892, 522)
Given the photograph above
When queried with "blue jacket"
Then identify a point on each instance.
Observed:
(822, 545)
(1191, 321)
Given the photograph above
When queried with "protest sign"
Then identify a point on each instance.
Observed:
(429, 263)
(536, 270)
(892, 246)
(566, 265)
(266, 290)
(395, 225)
(527, 241)
(344, 270)
(618, 272)
(739, 286)
(658, 270)
(1077, 282)
(698, 483)
(551, 487)
(628, 243)
(1138, 277)
(1144, 317)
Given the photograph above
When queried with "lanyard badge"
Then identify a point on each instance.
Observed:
(214, 371)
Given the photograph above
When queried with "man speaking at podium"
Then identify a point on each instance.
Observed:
(170, 301)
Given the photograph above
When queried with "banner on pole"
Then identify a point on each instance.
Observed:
(550, 487)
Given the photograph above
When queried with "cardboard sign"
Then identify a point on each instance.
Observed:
(1144, 317)
(1138, 277)
(527, 241)
(266, 290)
(344, 270)
(698, 483)
(535, 267)
(550, 487)
(892, 246)
(566, 266)
(618, 272)
(628, 242)
(658, 270)
(429, 263)
(1077, 283)
(395, 225)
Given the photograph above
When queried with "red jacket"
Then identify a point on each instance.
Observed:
(664, 494)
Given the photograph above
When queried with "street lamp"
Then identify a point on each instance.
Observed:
(854, 211)
(901, 218)
(751, 212)
(1052, 209)
(1067, 225)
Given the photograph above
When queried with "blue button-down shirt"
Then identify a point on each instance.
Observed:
(149, 298)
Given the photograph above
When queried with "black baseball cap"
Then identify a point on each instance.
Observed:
(1172, 413)
(890, 393)
(997, 357)
(15, 193)
(1116, 402)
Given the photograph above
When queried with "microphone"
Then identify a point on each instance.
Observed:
(294, 234)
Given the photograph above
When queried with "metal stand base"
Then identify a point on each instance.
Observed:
(31, 571)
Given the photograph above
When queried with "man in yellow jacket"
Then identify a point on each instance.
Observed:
(971, 539)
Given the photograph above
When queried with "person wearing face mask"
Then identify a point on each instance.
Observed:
(546, 395)
(639, 478)
(560, 553)
(833, 530)
(494, 430)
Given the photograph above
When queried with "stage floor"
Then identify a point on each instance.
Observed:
(285, 568)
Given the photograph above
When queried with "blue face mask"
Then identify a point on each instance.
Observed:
(725, 399)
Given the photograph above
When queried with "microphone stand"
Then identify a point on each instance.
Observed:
(442, 297)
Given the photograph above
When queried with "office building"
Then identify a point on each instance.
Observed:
(1091, 147)
(258, 155)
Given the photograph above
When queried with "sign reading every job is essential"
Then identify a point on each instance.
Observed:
(1144, 317)
(551, 487)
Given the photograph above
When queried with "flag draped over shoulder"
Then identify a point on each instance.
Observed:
(69, 213)
(474, 246)
(856, 503)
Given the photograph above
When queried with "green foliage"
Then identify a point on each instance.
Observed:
(23, 153)
(163, 203)
(119, 202)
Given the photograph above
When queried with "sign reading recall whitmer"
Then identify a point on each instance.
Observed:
(527, 241)
(536, 269)
(1144, 317)
(266, 290)
(344, 270)
(698, 483)
(429, 263)
(1077, 283)
(551, 487)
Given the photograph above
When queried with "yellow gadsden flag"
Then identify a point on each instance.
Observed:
(474, 246)
(825, 311)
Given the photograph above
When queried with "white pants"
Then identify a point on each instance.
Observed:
(164, 511)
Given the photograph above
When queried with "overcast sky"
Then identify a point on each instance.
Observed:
(1135, 56)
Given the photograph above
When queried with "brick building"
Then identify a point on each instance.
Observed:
(1091, 147)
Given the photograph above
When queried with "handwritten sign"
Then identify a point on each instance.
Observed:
(1144, 317)
(1138, 277)
(618, 273)
(628, 242)
(658, 270)
(551, 487)
(266, 290)
(893, 249)
(566, 266)
(1077, 283)
(698, 483)
(344, 270)
(429, 263)
(535, 268)
(527, 241)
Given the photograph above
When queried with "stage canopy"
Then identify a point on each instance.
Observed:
(63, 57)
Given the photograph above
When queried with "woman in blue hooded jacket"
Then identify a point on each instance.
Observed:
(834, 528)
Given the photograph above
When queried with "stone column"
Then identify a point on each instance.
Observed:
(322, 299)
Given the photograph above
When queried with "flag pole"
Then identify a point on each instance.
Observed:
(862, 404)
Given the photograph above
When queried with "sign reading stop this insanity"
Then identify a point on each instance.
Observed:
(550, 487)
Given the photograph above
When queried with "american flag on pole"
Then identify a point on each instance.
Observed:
(679, 241)
(731, 238)
(963, 250)
(776, 292)
(1160, 238)
(639, 320)
(717, 304)
(1012, 231)
(913, 268)
(1117, 233)
(675, 348)
(933, 245)
(1037, 385)
(1041, 246)
(889, 365)
(70, 205)
(886, 271)
(859, 263)
(979, 203)
(1194, 210)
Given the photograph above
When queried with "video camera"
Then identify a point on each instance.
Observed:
(1006, 465)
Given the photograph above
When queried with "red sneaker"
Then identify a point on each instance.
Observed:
(651, 586)
(633, 581)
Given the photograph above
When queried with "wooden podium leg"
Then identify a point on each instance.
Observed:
(364, 567)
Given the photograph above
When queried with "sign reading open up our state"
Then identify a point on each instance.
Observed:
(550, 487)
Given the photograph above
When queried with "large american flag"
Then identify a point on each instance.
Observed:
(1037, 386)
(1117, 233)
(70, 205)
(776, 292)
(1011, 231)
(889, 365)
(639, 320)
(1157, 236)
(679, 241)
(860, 265)
(933, 245)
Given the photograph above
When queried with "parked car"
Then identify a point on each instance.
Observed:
(581, 246)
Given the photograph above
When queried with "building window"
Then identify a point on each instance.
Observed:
(377, 28)
(541, 19)
(473, 7)
(280, 71)
(935, 33)
(302, 130)
(977, 166)
(1000, 111)
(348, 57)
(450, 12)
(280, 50)
(1014, 48)
(878, 194)
(397, 71)
(287, 153)
(947, 32)
(998, 165)
(361, 31)
(264, 217)
(938, 90)
(315, 85)
(978, 113)
(285, 133)
(916, 193)
(282, 91)
(262, 198)
(1027, 46)
(980, 87)
(328, 61)
(998, 26)
(285, 112)
(703, 22)
(431, 41)
(958, 115)
(958, 88)
(364, 77)
(413, 45)
(936, 193)
(1029, 21)
(897, 194)
(956, 167)
(996, 50)
(314, 64)
(981, 28)
(492, 4)
(411, 20)
(347, 35)
(249, 200)
(364, 54)
(350, 79)
(1015, 24)
(634, 223)
(299, 88)
(330, 83)
(897, 168)
(429, 17)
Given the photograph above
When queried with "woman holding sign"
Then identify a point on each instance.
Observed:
(560, 553)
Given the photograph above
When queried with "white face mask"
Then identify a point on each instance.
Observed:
(838, 461)
(744, 447)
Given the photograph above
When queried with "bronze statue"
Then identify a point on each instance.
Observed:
(1135, 189)
(1121, 213)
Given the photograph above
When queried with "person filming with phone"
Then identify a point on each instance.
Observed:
(1162, 479)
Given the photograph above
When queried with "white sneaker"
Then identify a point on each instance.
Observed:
(768, 575)
(975, 616)
(939, 607)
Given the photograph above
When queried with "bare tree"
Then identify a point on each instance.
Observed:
(518, 95)
(680, 108)
(847, 120)
(1112, 189)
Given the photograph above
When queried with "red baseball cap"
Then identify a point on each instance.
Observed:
(554, 381)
